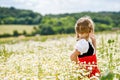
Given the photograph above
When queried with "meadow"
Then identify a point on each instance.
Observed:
(48, 58)
(20, 28)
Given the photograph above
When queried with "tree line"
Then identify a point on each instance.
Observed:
(17, 16)
(64, 23)
(60, 23)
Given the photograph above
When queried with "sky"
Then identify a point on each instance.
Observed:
(63, 6)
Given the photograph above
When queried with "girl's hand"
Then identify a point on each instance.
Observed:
(92, 36)
(74, 56)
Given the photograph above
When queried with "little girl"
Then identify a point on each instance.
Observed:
(85, 48)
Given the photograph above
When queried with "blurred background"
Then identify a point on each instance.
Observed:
(47, 17)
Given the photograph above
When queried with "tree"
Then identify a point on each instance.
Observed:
(102, 27)
(15, 33)
(46, 30)
(24, 32)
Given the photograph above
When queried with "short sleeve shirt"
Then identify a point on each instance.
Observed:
(82, 46)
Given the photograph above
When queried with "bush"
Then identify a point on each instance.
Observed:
(102, 27)
(46, 30)
(15, 33)
(5, 35)
(24, 32)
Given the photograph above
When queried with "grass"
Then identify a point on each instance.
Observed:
(20, 28)
(47, 58)
(42, 38)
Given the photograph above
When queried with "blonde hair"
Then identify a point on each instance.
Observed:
(84, 25)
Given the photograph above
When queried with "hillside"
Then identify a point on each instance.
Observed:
(64, 23)
(18, 16)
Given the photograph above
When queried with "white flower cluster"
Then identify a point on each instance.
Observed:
(39, 61)
(50, 60)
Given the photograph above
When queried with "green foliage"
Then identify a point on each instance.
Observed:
(102, 27)
(56, 25)
(46, 29)
(15, 33)
(5, 35)
(17, 16)
(24, 32)
(4, 53)
(108, 76)
(64, 23)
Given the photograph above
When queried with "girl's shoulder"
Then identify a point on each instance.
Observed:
(82, 42)
(82, 45)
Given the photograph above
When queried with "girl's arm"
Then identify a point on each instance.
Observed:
(74, 56)
(92, 36)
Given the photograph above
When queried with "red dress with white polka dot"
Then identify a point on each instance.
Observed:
(90, 60)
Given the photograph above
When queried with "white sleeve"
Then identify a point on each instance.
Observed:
(82, 46)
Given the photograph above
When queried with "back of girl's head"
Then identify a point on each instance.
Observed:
(84, 25)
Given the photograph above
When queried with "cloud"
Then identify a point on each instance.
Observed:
(63, 6)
